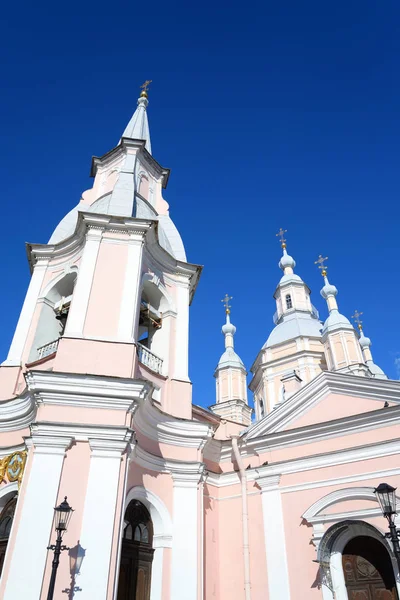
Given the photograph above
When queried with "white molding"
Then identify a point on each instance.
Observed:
(102, 437)
(162, 465)
(86, 391)
(161, 427)
(328, 459)
(17, 413)
(28, 309)
(351, 493)
(380, 390)
(36, 518)
(274, 537)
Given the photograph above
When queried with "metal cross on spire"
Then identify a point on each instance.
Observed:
(321, 265)
(144, 87)
(356, 319)
(281, 234)
(226, 300)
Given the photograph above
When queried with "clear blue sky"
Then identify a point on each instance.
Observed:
(269, 114)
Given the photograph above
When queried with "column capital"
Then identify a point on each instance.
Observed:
(268, 483)
(106, 448)
(189, 477)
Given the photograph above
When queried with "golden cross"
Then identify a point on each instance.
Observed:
(146, 84)
(280, 234)
(320, 263)
(225, 300)
(356, 319)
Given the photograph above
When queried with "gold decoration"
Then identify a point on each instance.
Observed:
(356, 319)
(226, 300)
(145, 86)
(320, 263)
(280, 234)
(12, 467)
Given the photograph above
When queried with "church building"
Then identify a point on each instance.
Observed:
(172, 501)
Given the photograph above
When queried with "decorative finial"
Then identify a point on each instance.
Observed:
(145, 86)
(226, 300)
(320, 263)
(280, 234)
(357, 320)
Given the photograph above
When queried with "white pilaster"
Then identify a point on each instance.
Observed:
(129, 309)
(28, 559)
(25, 318)
(99, 516)
(185, 546)
(182, 333)
(80, 299)
(274, 533)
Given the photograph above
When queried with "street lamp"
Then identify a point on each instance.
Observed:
(62, 515)
(386, 495)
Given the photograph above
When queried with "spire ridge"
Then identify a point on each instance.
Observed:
(138, 126)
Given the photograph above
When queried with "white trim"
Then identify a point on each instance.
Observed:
(185, 550)
(28, 309)
(98, 521)
(36, 518)
(274, 536)
(129, 311)
(379, 390)
(164, 428)
(83, 286)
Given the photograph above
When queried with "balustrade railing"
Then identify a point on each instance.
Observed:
(47, 349)
(149, 359)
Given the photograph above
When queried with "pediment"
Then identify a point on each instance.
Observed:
(328, 397)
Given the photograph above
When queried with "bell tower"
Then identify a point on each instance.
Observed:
(110, 291)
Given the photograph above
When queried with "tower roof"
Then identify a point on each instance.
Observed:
(229, 358)
(295, 317)
(138, 126)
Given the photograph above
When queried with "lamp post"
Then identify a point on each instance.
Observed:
(62, 515)
(386, 495)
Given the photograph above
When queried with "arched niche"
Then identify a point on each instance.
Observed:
(161, 524)
(156, 310)
(8, 503)
(55, 302)
(330, 555)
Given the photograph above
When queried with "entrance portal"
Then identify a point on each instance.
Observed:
(136, 554)
(368, 570)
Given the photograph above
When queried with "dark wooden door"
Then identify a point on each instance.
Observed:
(135, 571)
(368, 570)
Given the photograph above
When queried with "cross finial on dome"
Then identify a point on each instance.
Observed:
(226, 301)
(145, 86)
(281, 234)
(321, 265)
(357, 320)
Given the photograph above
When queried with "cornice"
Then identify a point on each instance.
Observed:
(326, 382)
(17, 413)
(100, 436)
(384, 417)
(308, 463)
(161, 427)
(180, 470)
(86, 391)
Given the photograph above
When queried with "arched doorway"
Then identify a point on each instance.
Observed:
(368, 570)
(6, 520)
(136, 554)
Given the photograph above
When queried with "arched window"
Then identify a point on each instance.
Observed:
(262, 410)
(289, 301)
(136, 554)
(6, 520)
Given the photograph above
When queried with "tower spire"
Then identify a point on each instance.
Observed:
(138, 126)
(365, 344)
(343, 353)
(231, 401)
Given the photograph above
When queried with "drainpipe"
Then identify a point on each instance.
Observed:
(245, 520)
